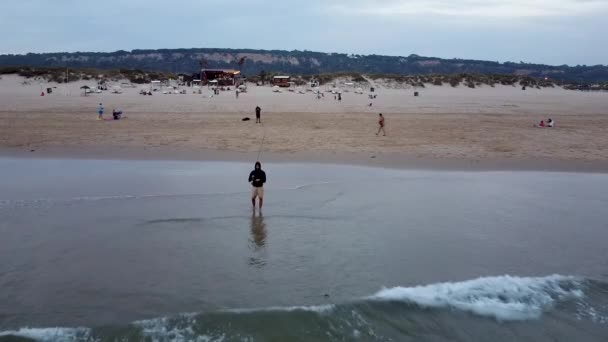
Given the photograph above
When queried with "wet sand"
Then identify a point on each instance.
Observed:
(383, 160)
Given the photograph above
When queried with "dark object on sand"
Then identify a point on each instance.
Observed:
(245, 119)
(523, 88)
(416, 93)
(117, 114)
(371, 90)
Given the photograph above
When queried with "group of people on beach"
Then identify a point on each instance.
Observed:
(116, 114)
(550, 123)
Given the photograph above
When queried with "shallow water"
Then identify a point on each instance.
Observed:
(172, 250)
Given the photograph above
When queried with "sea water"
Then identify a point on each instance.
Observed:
(162, 250)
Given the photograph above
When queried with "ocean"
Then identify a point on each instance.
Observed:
(109, 250)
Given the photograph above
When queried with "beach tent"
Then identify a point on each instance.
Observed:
(155, 85)
(212, 83)
(86, 89)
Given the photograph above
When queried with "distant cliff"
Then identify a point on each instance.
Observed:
(299, 62)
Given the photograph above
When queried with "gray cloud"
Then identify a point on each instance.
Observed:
(470, 8)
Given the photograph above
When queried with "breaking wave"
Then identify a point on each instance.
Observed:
(504, 298)
(385, 315)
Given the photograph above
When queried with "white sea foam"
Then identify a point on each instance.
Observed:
(311, 308)
(504, 297)
(302, 186)
(50, 334)
(178, 328)
(586, 311)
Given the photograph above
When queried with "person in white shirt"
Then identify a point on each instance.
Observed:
(550, 123)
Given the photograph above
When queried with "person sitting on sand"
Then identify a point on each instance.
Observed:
(381, 125)
(541, 124)
(116, 114)
(550, 123)
(257, 178)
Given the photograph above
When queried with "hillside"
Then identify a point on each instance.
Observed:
(300, 62)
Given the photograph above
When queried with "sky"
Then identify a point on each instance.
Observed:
(555, 32)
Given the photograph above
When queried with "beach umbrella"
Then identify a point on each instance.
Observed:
(85, 87)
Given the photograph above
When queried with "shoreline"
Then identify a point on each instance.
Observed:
(380, 160)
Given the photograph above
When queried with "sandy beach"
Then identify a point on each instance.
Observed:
(487, 126)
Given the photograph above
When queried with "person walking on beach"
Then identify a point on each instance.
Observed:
(100, 112)
(381, 125)
(258, 114)
(257, 178)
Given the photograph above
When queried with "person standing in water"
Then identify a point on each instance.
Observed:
(100, 112)
(258, 114)
(381, 125)
(257, 178)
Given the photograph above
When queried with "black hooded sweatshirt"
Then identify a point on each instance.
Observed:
(258, 177)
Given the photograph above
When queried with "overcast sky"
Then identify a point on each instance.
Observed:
(539, 31)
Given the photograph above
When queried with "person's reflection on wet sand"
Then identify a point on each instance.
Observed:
(258, 239)
(258, 231)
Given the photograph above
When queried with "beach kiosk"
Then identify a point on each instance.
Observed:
(222, 76)
(281, 81)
